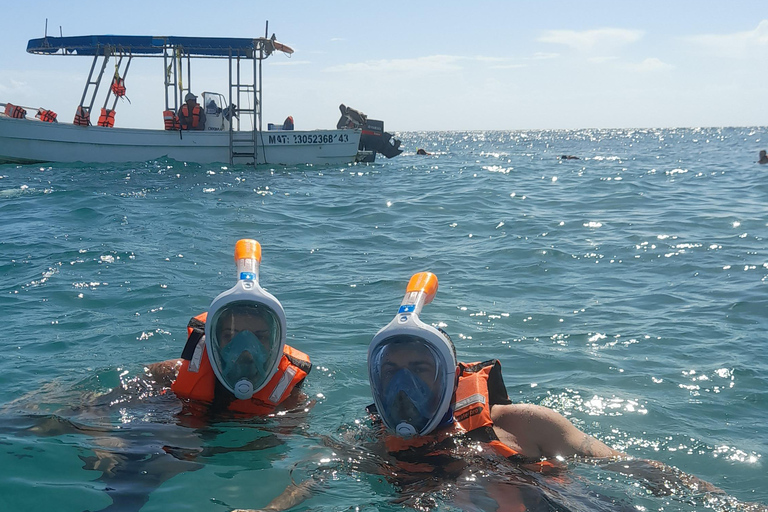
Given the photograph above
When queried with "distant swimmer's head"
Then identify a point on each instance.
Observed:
(763, 157)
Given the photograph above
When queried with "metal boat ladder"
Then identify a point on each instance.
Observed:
(243, 144)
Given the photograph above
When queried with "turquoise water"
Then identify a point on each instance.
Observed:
(626, 289)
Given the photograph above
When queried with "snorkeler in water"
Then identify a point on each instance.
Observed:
(236, 358)
(235, 365)
(437, 419)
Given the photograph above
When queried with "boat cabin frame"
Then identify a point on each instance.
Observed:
(244, 56)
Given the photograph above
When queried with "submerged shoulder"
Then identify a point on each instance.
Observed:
(164, 372)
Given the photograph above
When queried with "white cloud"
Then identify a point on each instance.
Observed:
(544, 56)
(600, 60)
(588, 40)
(508, 66)
(290, 63)
(650, 65)
(422, 64)
(737, 44)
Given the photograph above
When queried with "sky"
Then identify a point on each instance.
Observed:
(431, 65)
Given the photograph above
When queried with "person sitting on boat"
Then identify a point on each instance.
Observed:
(236, 357)
(763, 158)
(191, 115)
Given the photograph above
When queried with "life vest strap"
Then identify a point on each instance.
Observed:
(197, 331)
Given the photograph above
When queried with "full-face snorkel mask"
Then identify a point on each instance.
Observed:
(245, 328)
(412, 366)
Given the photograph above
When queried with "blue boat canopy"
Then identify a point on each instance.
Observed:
(145, 45)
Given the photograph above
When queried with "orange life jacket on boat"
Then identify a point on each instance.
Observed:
(15, 111)
(197, 380)
(107, 118)
(82, 117)
(48, 116)
(171, 120)
(184, 117)
(480, 387)
(118, 86)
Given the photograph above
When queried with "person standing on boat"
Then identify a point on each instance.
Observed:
(191, 114)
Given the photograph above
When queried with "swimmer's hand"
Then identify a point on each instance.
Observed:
(289, 498)
(164, 372)
(660, 478)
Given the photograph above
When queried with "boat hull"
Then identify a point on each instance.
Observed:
(28, 141)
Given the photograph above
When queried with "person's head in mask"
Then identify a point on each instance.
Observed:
(245, 328)
(412, 367)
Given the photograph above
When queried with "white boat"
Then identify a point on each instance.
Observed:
(227, 138)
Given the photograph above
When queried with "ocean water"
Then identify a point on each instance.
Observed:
(626, 289)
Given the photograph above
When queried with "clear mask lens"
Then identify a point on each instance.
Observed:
(409, 383)
(245, 344)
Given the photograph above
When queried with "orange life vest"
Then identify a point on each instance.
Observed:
(118, 86)
(480, 387)
(107, 118)
(15, 111)
(82, 117)
(197, 381)
(171, 120)
(184, 117)
(48, 116)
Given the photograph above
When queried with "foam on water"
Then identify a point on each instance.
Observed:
(625, 289)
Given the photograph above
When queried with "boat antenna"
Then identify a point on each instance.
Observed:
(266, 30)
(46, 27)
(61, 34)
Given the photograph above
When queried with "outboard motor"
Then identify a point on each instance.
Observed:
(373, 137)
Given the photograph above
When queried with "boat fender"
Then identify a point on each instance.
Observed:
(82, 117)
(15, 111)
(47, 116)
(107, 118)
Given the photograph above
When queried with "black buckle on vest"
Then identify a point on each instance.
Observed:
(198, 331)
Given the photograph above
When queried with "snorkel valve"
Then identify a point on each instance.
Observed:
(248, 259)
(420, 291)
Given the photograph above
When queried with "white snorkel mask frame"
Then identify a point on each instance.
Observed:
(246, 290)
(420, 291)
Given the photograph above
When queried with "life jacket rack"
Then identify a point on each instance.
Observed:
(91, 89)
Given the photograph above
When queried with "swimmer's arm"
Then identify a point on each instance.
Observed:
(558, 436)
(292, 496)
(542, 432)
(164, 372)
